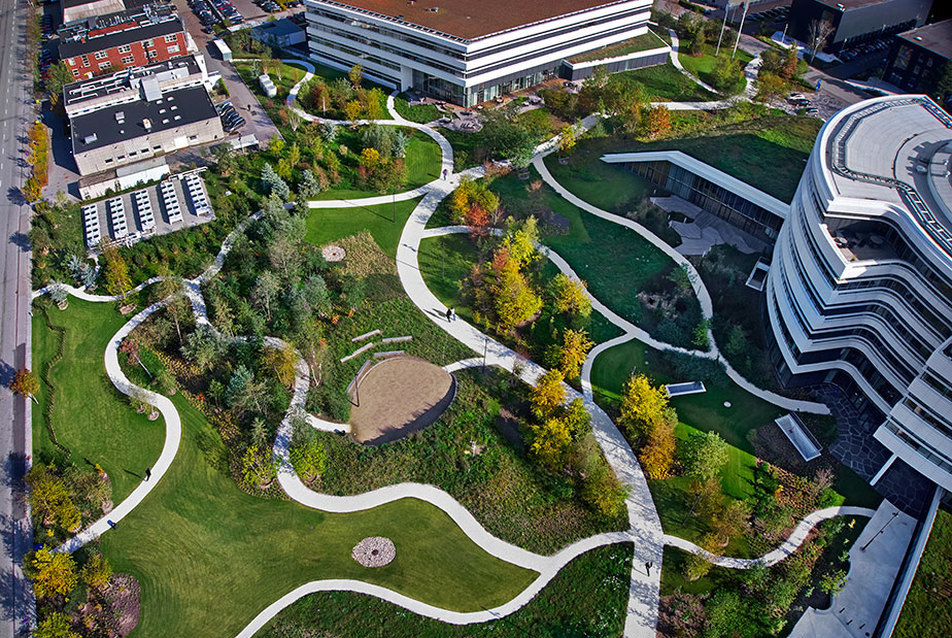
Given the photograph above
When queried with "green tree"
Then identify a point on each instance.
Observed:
(707, 456)
(355, 75)
(551, 440)
(514, 299)
(833, 582)
(118, 281)
(569, 297)
(603, 492)
(50, 498)
(257, 467)
(52, 573)
(60, 76)
(643, 407)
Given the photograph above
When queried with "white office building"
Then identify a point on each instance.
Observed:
(469, 52)
(860, 288)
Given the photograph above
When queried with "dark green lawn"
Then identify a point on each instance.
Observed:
(210, 557)
(587, 598)
(445, 261)
(606, 186)
(615, 262)
(927, 612)
(421, 113)
(664, 83)
(90, 416)
(384, 221)
(769, 152)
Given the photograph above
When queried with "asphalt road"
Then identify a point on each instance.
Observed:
(16, 113)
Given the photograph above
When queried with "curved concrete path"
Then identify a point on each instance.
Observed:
(173, 431)
(645, 533)
(704, 297)
(788, 547)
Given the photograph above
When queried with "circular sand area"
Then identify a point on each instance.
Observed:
(399, 396)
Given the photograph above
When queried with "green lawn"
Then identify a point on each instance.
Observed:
(927, 612)
(384, 221)
(702, 66)
(447, 260)
(90, 416)
(587, 598)
(643, 42)
(769, 152)
(210, 557)
(606, 186)
(421, 113)
(703, 411)
(664, 83)
(423, 162)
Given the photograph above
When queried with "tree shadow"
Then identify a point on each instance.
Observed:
(6, 373)
(14, 196)
(21, 241)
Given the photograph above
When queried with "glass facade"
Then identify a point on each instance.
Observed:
(715, 199)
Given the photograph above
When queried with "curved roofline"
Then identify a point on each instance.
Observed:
(832, 163)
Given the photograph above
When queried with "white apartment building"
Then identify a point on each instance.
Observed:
(860, 289)
(470, 52)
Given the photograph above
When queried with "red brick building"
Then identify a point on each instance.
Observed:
(123, 45)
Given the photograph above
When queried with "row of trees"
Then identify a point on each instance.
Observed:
(62, 586)
(559, 436)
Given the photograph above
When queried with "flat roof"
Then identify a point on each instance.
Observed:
(119, 81)
(189, 105)
(893, 147)
(279, 27)
(73, 48)
(469, 19)
(849, 4)
(936, 37)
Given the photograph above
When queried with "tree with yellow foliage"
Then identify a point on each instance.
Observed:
(569, 296)
(514, 299)
(352, 111)
(548, 394)
(52, 573)
(647, 417)
(551, 440)
(575, 347)
(283, 361)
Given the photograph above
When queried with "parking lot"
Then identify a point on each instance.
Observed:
(155, 210)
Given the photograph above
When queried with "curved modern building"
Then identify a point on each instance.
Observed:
(860, 288)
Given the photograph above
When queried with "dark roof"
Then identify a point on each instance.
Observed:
(470, 19)
(110, 40)
(848, 4)
(936, 38)
(191, 105)
(129, 4)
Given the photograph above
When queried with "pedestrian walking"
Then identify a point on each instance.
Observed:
(112, 524)
(444, 173)
(648, 568)
(148, 473)
(453, 314)
(449, 314)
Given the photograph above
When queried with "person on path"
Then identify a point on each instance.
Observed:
(453, 314)
(648, 568)
(112, 524)
(449, 314)
(148, 473)
(444, 173)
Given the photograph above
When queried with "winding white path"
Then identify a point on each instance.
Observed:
(704, 297)
(645, 533)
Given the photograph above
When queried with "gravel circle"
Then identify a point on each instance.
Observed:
(333, 253)
(374, 551)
